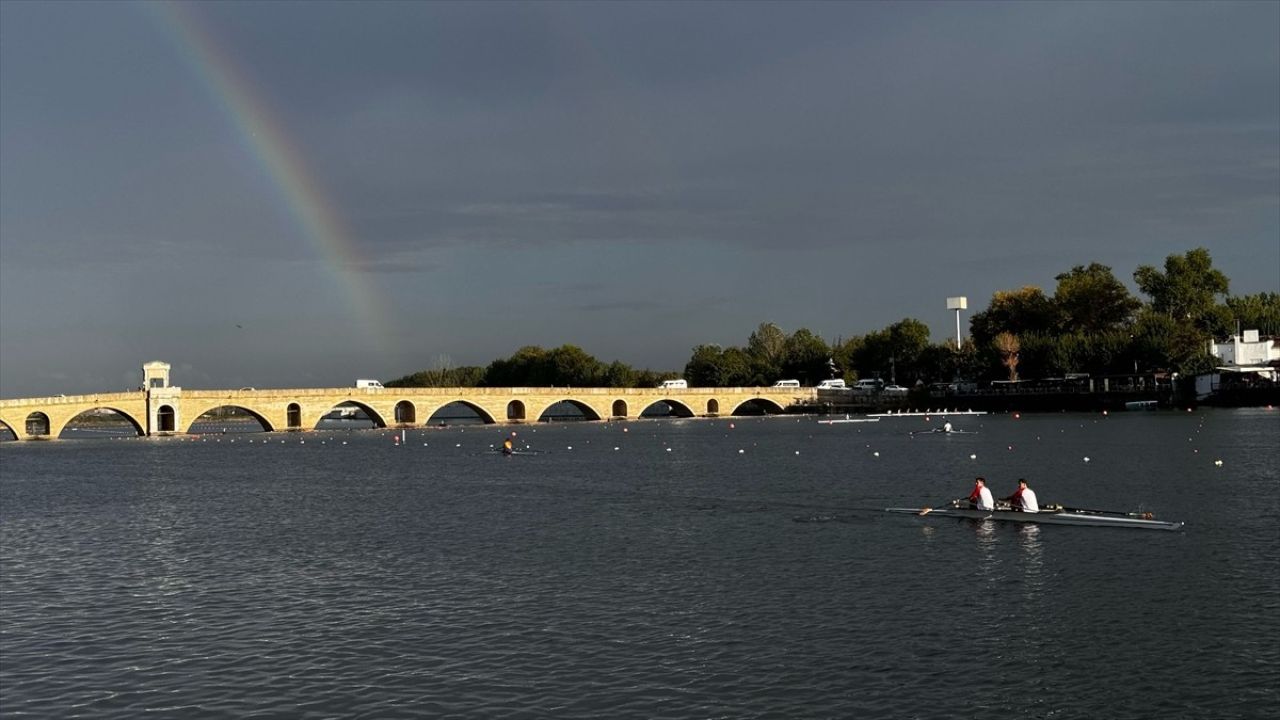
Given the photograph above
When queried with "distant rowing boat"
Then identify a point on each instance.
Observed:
(1142, 405)
(1055, 516)
(939, 431)
(847, 419)
(927, 413)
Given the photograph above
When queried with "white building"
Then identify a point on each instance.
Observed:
(1245, 349)
(1243, 354)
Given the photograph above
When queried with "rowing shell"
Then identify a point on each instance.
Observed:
(1066, 516)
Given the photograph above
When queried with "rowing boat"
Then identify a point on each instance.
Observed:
(847, 419)
(1054, 516)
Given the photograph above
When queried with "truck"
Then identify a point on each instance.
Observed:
(367, 384)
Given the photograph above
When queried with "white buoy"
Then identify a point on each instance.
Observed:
(1218, 463)
(973, 457)
(1086, 458)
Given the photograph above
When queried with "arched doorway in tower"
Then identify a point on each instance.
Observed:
(164, 418)
(713, 407)
(619, 408)
(38, 424)
(293, 416)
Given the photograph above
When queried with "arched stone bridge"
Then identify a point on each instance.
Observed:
(161, 409)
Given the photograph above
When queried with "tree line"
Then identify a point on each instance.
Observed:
(1090, 324)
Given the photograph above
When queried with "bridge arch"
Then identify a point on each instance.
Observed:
(37, 426)
(588, 412)
(516, 410)
(261, 417)
(769, 407)
(406, 413)
(678, 408)
(374, 416)
(485, 416)
(136, 424)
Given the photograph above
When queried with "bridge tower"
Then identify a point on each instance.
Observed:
(164, 401)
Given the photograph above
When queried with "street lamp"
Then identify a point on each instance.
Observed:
(958, 304)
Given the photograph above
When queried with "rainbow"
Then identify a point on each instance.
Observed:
(266, 140)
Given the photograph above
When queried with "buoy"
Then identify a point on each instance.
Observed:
(1086, 458)
(876, 453)
(741, 451)
(1218, 463)
(973, 457)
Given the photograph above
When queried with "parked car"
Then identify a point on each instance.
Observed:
(895, 390)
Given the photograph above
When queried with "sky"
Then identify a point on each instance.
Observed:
(301, 194)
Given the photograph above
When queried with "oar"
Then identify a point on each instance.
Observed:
(1124, 513)
(927, 510)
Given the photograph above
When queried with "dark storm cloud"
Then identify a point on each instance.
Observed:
(604, 163)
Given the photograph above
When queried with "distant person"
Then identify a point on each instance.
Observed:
(1024, 500)
(508, 447)
(946, 427)
(980, 498)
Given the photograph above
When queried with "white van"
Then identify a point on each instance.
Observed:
(869, 385)
(366, 384)
(787, 383)
(836, 384)
(669, 384)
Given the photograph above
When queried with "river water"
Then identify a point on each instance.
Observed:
(731, 568)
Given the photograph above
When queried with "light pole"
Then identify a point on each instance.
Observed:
(958, 304)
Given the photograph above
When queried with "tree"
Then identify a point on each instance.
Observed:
(571, 366)
(767, 347)
(1025, 310)
(703, 368)
(1259, 312)
(1091, 300)
(805, 357)
(1008, 346)
(1187, 290)
(894, 352)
